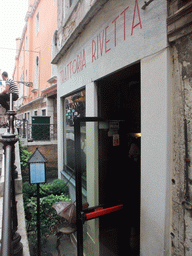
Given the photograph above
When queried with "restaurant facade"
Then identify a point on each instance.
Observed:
(114, 123)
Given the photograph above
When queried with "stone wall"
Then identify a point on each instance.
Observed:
(179, 21)
(181, 51)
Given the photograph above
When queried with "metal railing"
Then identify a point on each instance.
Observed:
(37, 131)
(10, 243)
(41, 131)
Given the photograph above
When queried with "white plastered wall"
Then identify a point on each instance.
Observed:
(149, 41)
(155, 154)
(92, 168)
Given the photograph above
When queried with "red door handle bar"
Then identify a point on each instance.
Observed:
(99, 212)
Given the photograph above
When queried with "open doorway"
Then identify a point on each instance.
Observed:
(119, 164)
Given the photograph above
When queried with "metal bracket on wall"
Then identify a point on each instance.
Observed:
(146, 4)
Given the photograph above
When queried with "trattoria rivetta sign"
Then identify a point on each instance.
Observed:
(104, 42)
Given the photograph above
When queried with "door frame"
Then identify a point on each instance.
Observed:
(78, 181)
(85, 215)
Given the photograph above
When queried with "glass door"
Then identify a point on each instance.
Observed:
(98, 152)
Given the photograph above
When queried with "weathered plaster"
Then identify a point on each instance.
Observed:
(182, 110)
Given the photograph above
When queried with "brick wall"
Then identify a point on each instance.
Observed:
(49, 152)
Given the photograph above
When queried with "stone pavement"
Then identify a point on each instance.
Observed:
(64, 248)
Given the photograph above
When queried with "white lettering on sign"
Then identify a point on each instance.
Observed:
(100, 44)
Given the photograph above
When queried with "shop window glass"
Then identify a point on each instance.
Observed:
(74, 107)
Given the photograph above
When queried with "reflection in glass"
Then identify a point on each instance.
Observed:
(74, 107)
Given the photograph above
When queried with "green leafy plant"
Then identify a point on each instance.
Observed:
(56, 187)
(48, 216)
(50, 193)
(24, 156)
